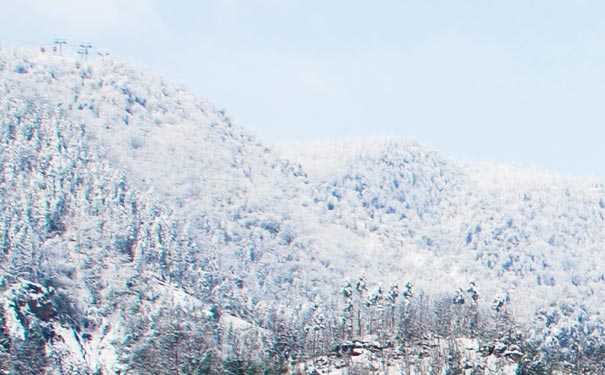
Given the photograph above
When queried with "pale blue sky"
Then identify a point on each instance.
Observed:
(514, 80)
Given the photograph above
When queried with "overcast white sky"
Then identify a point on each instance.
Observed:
(512, 80)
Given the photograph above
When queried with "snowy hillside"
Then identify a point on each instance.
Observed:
(141, 226)
(526, 232)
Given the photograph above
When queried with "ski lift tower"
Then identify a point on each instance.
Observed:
(83, 50)
(59, 43)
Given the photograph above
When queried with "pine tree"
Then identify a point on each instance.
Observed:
(361, 288)
(347, 310)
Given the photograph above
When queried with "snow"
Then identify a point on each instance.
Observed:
(388, 363)
(136, 196)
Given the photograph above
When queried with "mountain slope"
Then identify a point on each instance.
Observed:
(116, 186)
(131, 210)
(520, 230)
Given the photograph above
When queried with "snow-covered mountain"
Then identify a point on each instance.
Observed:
(132, 209)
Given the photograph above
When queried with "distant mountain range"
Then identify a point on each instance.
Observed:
(136, 218)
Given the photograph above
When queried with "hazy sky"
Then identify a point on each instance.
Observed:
(509, 80)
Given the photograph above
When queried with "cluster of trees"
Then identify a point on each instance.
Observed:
(402, 324)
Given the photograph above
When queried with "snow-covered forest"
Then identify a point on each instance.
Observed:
(143, 231)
